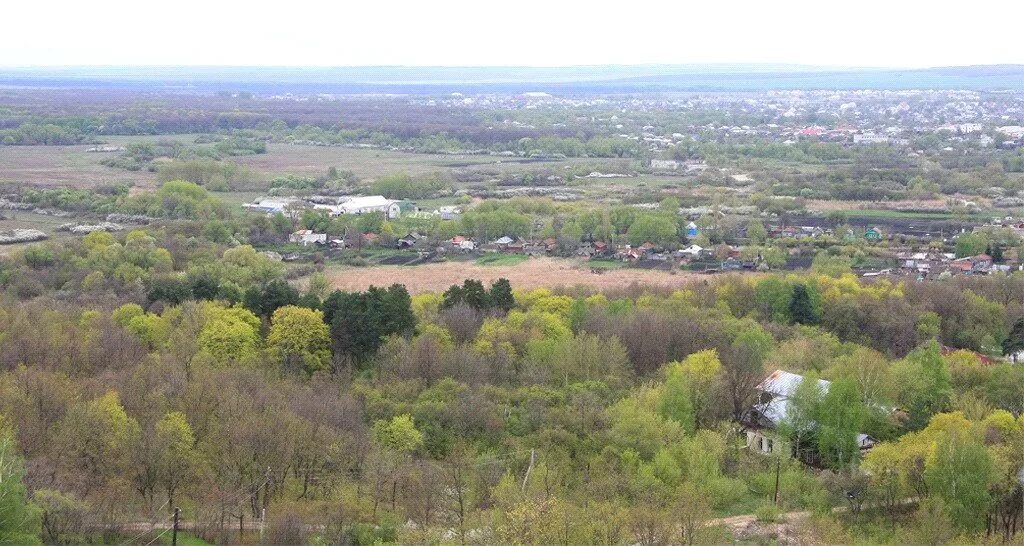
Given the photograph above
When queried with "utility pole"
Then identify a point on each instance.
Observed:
(526, 478)
(778, 467)
(263, 523)
(174, 528)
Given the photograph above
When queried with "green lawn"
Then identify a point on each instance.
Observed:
(185, 539)
(238, 198)
(886, 213)
(502, 259)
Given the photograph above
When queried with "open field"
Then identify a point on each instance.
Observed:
(533, 273)
(282, 159)
(502, 259)
(74, 166)
(900, 214)
(64, 166)
(30, 220)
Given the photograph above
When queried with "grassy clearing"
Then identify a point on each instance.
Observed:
(502, 259)
(282, 159)
(64, 166)
(185, 539)
(885, 213)
(124, 140)
(238, 198)
(30, 220)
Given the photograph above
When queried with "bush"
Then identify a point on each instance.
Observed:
(768, 513)
(725, 492)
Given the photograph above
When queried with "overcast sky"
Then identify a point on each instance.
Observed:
(889, 33)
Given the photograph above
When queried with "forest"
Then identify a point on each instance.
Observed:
(175, 360)
(160, 369)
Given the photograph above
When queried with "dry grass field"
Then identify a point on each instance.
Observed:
(533, 273)
(283, 159)
(74, 166)
(63, 166)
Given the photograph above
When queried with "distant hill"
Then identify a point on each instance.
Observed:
(563, 80)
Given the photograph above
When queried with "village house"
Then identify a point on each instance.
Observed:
(692, 251)
(629, 254)
(449, 212)
(595, 249)
(732, 264)
(691, 230)
(789, 232)
(870, 138)
(462, 243)
(586, 250)
(534, 249)
(972, 265)
(761, 421)
(412, 240)
(306, 237)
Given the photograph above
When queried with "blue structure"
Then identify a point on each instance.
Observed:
(691, 230)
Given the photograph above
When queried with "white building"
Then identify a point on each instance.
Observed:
(693, 251)
(870, 138)
(369, 204)
(772, 409)
(306, 237)
(271, 205)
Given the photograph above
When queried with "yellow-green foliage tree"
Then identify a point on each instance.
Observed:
(178, 462)
(98, 439)
(300, 339)
(230, 334)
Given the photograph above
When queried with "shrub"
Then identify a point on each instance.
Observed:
(768, 513)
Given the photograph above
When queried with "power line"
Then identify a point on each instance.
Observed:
(158, 537)
(140, 535)
(247, 495)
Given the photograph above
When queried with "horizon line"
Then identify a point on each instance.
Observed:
(524, 65)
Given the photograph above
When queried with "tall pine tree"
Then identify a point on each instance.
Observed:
(801, 308)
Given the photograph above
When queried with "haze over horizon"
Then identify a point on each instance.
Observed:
(458, 33)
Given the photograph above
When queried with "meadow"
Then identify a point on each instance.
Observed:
(529, 273)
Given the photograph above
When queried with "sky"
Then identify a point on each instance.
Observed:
(852, 33)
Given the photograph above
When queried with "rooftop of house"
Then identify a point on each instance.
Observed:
(782, 383)
(367, 201)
